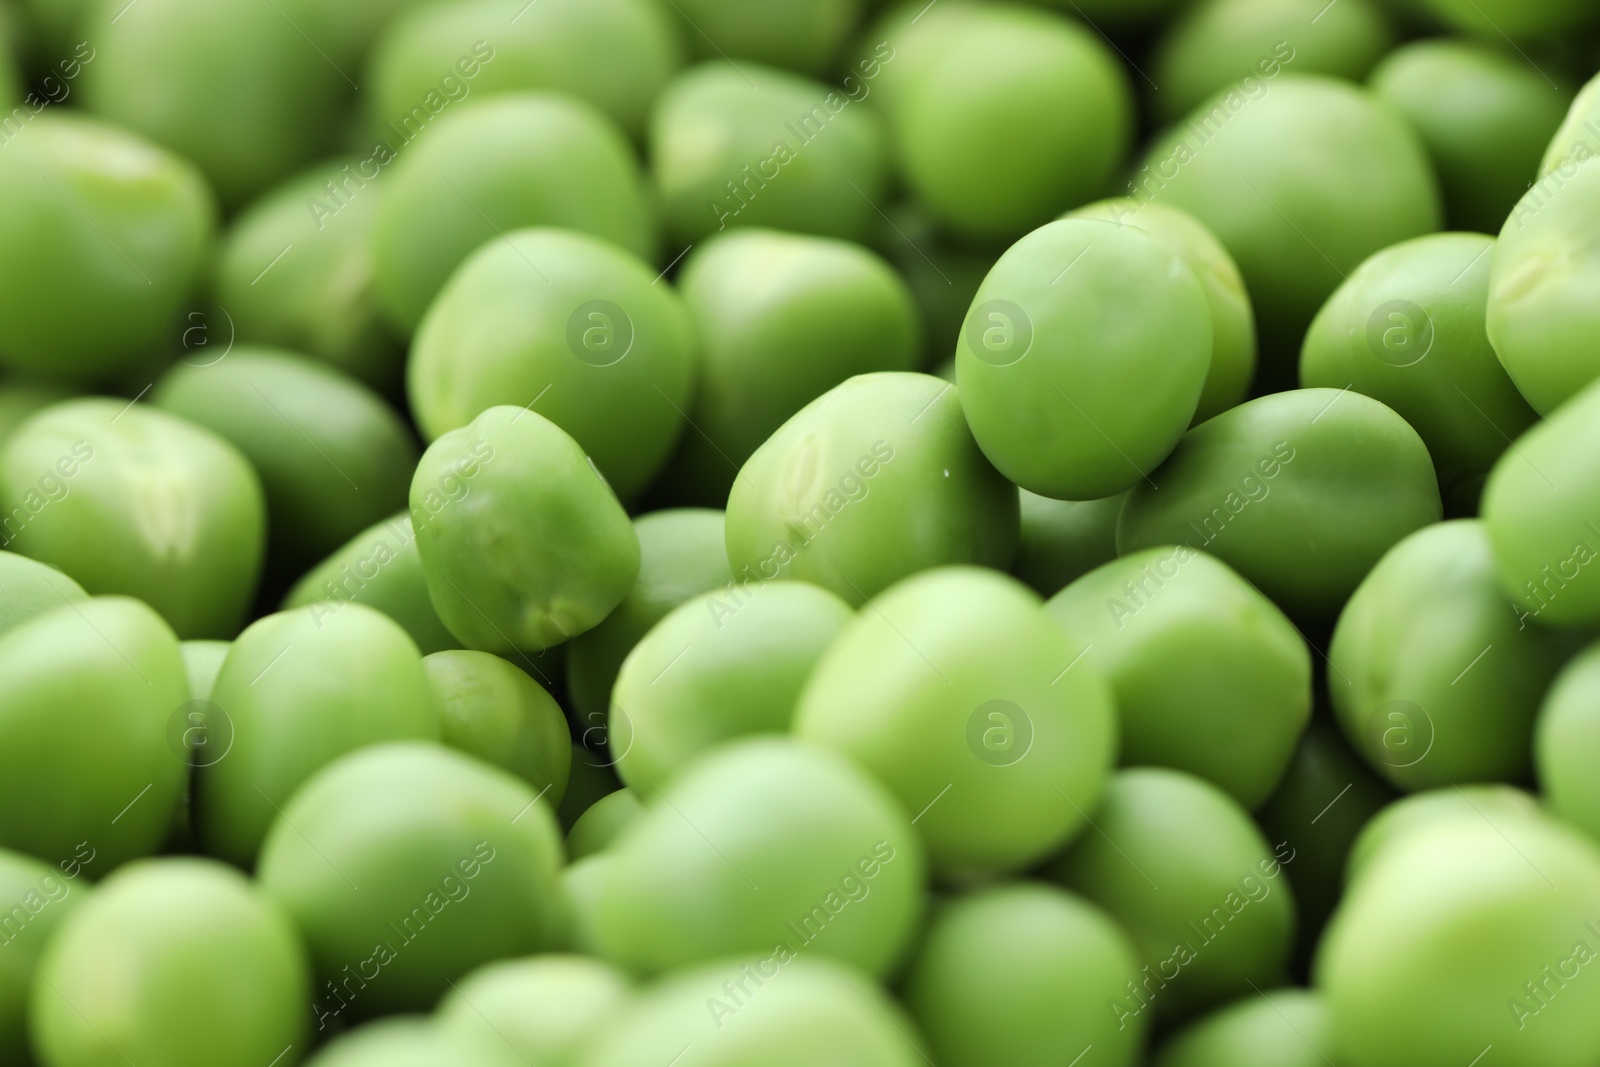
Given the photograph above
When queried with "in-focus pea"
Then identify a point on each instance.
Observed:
(545, 1008)
(1062, 540)
(1567, 741)
(29, 588)
(1282, 1028)
(598, 828)
(34, 899)
(490, 709)
(1578, 136)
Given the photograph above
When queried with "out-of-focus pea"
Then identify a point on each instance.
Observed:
(1410, 817)
(29, 588)
(598, 828)
(1062, 540)
(34, 899)
(1283, 1028)
(802, 35)
(1567, 740)
(21, 400)
(545, 1008)
(1578, 136)
(490, 709)
(202, 662)
(1521, 19)
(414, 1041)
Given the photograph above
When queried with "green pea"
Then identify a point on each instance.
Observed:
(1412, 816)
(719, 667)
(1484, 115)
(28, 589)
(941, 275)
(493, 166)
(1406, 328)
(21, 400)
(544, 1008)
(1283, 1028)
(1208, 675)
(873, 481)
(1061, 540)
(414, 1041)
(333, 457)
(1578, 136)
(1565, 740)
(1233, 329)
(1120, 13)
(10, 77)
(613, 54)
(407, 865)
(345, 32)
(53, 23)
(103, 239)
(781, 319)
(765, 846)
(128, 499)
(582, 884)
(682, 552)
(747, 145)
(1466, 939)
(237, 87)
(1180, 865)
(296, 271)
(776, 1010)
(1220, 44)
(298, 690)
(524, 545)
(1300, 492)
(1021, 974)
(490, 709)
(1312, 177)
(801, 35)
(34, 899)
(570, 325)
(1083, 329)
(1540, 311)
(206, 972)
(957, 682)
(1504, 19)
(1542, 536)
(603, 823)
(202, 662)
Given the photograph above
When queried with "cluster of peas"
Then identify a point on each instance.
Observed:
(733, 678)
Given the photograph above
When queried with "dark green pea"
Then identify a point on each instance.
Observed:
(1578, 136)
(747, 145)
(598, 828)
(592, 776)
(1411, 817)
(345, 32)
(1566, 741)
(404, 867)
(1083, 358)
(21, 400)
(53, 23)
(202, 662)
(569, 325)
(490, 709)
(1180, 865)
(414, 1041)
(873, 481)
(28, 588)
(298, 690)
(493, 166)
(1120, 13)
(802, 35)
(1283, 1028)
(1503, 19)
(102, 241)
(1021, 974)
(1300, 492)
(942, 276)
(10, 78)
(1063, 539)
(682, 553)
(523, 543)
(1484, 114)
(545, 1008)
(34, 899)
(333, 457)
(129, 499)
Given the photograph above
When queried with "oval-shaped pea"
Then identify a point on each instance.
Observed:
(34, 899)
(1300, 492)
(1415, 813)
(1566, 741)
(1180, 865)
(734, 862)
(490, 709)
(210, 973)
(524, 544)
(957, 681)
(1061, 540)
(1578, 136)
(599, 827)
(1281, 1028)
(719, 667)
(545, 1008)
(1021, 974)
(29, 588)
(568, 325)
(407, 865)
(1083, 357)
(801, 35)
(414, 1041)
(875, 480)
(493, 166)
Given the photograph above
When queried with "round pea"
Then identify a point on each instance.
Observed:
(414, 1041)
(569, 325)
(1300, 492)
(801, 35)
(873, 481)
(1566, 739)
(600, 826)
(34, 899)
(1576, 138)
(409, 865)
(958, 681)
(1283, 1028)
(202, 662)
(1504, 19)
(1061, 540)
(719, 667)
(1412, 816)
(29, 588)
(592, 777)
(493, 166)
(544, 1008)
(1020, 974)
(765, 846)
(490, 709)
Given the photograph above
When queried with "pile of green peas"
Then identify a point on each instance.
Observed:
(820, 533)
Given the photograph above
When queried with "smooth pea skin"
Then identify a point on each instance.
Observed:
(1282, 1028)
(1083, 330)
(490, 709)
(526, 545)
(1541, 312)
(1460, 940)
(1503, 19)
(1207, 674)
(209, 973)
(733, 862)
(958, 680)
(545, 1007)
(1233, 327)
(1300, 492)
(439, 864)
(34, 899)
(1566, 740)
(791, 148)
(721, 666)
(94, 271)
(1412, 816)
(298, 690)
(873, 481)
(1406, 328)
(1578, 136)
(1195, 885)
(568, 325)
(414, 1041)
(598, 828)
(202, 662)
(129, 499)
(1062, 540)
(801, 35)
(493, 166)
(28, 588)
(1020, 974)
